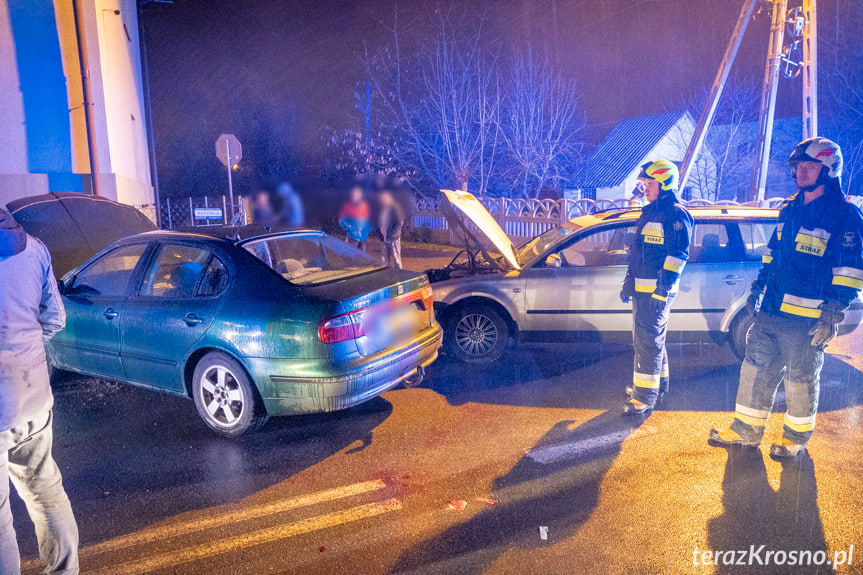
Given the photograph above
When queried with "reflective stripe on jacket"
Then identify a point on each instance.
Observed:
(815, 255)
(661, 247)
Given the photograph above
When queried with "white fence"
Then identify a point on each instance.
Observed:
(520, 218)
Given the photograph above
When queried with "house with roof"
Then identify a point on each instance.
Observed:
(611, 171)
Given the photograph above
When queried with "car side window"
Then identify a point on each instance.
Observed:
(710, 244)
(215, 279)
(756, 236)
(176, 272)
(606, 247)
(110, 274)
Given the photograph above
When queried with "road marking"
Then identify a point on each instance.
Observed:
(564, 451)
(254, 538)
(229, 516)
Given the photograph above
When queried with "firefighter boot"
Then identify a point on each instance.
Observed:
(727, 437)
(663, 389)
(786, 448)
(635, 407)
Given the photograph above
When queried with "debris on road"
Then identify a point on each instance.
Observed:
(457, 505)
(486, 500)
(543, 532)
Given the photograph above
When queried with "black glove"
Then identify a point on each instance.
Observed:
(628, 289)
(658, 301)
(826, 328)
(753, 304)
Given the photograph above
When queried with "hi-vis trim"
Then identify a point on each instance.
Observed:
(645, 285)
(664, 373)
(779, 227)
(674, 264)
(766, 259)
(749, 420)
(750, 416)
(848, 277)
(812, 241)
(802, 306)
(800, 424)
(653, 233)
(659, 297)
(757, 413)
(645, 380)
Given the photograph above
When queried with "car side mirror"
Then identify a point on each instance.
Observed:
(553, 261)
(62, 287)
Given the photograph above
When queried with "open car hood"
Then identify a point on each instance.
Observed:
(484, 224)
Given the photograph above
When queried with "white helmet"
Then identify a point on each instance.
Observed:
(821, 150)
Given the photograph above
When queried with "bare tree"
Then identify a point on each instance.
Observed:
(443, 114)
(541, 126)
(724, 164)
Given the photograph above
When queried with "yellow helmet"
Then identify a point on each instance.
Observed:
(662, 171)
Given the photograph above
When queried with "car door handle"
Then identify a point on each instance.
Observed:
(732, 280)
(110, 313)
(192, 319)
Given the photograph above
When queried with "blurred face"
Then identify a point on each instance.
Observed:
(386, 199)
(356, 195)
(651, 189)
(806, 173)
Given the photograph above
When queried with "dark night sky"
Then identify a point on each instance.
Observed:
(215, 63)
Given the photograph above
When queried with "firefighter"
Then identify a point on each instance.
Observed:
(656, 260)
(810, 275)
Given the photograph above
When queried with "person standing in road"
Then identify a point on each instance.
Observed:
(391, 220)
(656, 260)
(32, 313)
(355, 218)
(810, 275)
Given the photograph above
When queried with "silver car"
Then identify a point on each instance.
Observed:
(564, 285)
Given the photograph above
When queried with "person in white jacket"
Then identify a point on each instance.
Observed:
(31, 312)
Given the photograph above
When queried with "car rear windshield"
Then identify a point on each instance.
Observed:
(311, 259)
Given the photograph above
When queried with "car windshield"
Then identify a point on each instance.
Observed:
(310, 259)
(541, 244)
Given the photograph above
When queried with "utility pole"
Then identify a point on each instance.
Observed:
(810, 70)
(768, 102)
(706, 118)
(89, 120)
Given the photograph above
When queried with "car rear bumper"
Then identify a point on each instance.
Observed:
(317, 386)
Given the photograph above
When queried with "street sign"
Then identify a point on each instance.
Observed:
(208, 213)
(228, 150)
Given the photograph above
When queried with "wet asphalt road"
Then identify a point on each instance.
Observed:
(366, 490)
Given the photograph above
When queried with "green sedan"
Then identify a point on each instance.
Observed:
(280, 324)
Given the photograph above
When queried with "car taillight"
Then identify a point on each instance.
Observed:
(424, 295)
(342, 327)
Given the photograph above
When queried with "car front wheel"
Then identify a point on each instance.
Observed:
(477, 334)
(225, 398)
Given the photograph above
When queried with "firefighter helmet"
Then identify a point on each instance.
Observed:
(821, 150)
(662, 171)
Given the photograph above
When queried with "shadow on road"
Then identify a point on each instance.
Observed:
(703, 378)
(118, 444)
(555, 485)
(754, 515)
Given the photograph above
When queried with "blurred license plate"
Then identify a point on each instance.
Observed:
(397, 324)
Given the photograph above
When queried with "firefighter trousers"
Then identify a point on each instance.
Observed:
(779, 349)
(650, 373)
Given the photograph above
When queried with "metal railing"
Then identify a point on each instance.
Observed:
(201, 211)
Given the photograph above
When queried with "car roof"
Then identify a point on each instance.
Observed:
(211, 238)
(697, 212)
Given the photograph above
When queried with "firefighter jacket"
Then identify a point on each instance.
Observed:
(660, 249)
(815, 257)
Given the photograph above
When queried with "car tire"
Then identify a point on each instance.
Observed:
(741, 327)
(225, 397)
(477, 334)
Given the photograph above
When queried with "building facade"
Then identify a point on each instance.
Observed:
(44, 137)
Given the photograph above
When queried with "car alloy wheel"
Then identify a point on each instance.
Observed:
(225, 397)
(478, 333)
(222, 396)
